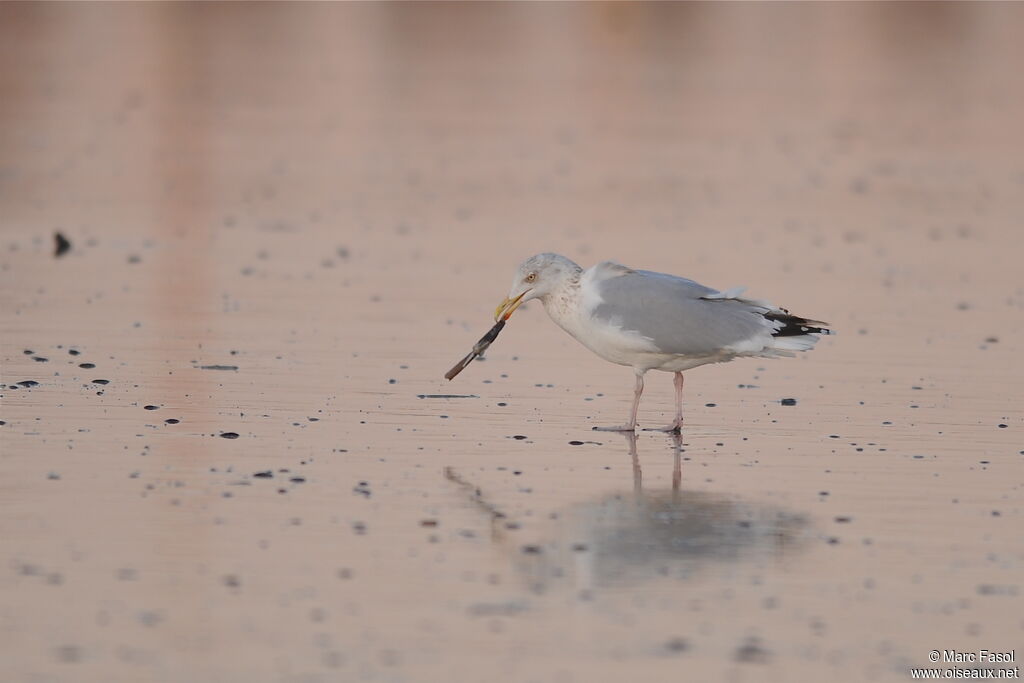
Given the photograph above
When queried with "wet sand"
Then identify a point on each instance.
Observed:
(287, 222)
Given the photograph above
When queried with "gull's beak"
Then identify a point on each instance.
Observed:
(505, 309)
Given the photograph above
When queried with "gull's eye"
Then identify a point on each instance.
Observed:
(532, 277)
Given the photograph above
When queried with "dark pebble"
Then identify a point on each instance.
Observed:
(28, 383)
(710, 405)
(676, 645)
(229, 435)
(575, 443)
(101, 381)
(219, 367)
(28, 352)
(265, 474)
(519, 437)
(1003, 426)
(40, 359)
(151, 407)
(68, 654)
(532, 549)
(172, 420)
(61, 245)
(74, 352)
(87, 366)
(788, 401)
(751, 652)
(297, 480)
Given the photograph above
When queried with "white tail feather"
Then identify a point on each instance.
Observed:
(800, 342)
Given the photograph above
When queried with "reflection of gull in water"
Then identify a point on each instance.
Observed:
(627, 538)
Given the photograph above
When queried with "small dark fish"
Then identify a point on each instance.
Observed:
(478, 350)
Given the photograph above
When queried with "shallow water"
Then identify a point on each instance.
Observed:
(286, 223)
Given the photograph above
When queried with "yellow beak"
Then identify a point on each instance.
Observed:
(506, 308)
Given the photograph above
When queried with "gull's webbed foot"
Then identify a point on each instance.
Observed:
(675, 428)
(619, 428)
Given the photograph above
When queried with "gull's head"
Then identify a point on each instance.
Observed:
(536, 278)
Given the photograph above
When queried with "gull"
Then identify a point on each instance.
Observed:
(653, 321)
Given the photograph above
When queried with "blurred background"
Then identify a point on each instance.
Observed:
(474, 124)
(332, 198)
(655, 134)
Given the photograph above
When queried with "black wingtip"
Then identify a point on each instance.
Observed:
(793, 325)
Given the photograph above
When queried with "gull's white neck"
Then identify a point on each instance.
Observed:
(564, 306)
(570, 307)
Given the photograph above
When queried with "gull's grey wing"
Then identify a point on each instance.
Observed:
(679, 316)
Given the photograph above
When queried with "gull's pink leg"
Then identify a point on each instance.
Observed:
(676, 425)
(631, 425)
